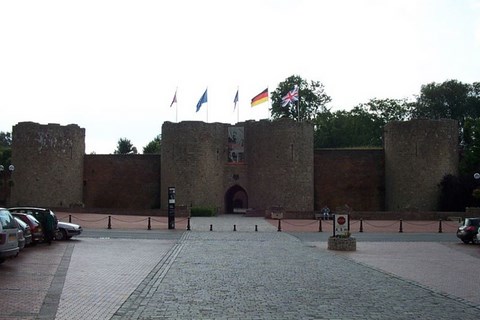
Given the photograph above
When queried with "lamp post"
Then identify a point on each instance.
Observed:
(6, 183)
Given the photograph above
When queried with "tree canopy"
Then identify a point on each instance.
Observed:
(154, 146)
(125, 146)
(5, 139)
(5, 148)
(448, 100)
(312, 99)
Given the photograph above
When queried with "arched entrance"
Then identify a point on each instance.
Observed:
(236, 200)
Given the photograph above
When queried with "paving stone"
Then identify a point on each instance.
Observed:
(243, 274)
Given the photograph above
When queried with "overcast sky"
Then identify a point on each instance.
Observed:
(112, 67)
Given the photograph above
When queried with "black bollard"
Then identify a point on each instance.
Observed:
(279, 225)
(256, 228)
(401, 226)
(109, 222)
(211, 227)
(70, 218)
(440, 226)
(361, 225)
(149, 227)
(188, 224)
(234, 227)
(319, 225)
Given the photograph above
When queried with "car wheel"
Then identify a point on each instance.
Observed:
(61, 235)
(466, 241)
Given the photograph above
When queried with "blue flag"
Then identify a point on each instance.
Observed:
(235, 100)
(202, 100)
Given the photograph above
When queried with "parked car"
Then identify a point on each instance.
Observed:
(63, 230)
(67, 230)
(40, 214)
(8, 236)
(468, 231)
(27, 234)
(35, 226)
(24, 234)
(20, 237)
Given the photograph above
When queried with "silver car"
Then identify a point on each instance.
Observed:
(8, 236)
(67, 230)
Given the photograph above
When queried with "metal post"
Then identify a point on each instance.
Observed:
(279, 225)
(234, 227)
(361, 225)
(109, 222)
(149, 224)
(319, 225)
(70, 218)
(188, 224)
(401, 226)
(211, 227)
(256, 228)
(440, 226)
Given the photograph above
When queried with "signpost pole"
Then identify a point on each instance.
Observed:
(171, 208)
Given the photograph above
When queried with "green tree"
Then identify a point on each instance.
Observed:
(5, 148)
(470, 160)
(124, 146)
(448, 100)
(459, 101)
(342, 129)
(5, 139)
(312, 99)
(387, 110)
(154, 146)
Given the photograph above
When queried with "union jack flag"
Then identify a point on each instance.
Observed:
(290, 97)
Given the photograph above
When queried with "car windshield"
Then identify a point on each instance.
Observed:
(32, 219)
(21, 223)
(472, 222)
(6, 220)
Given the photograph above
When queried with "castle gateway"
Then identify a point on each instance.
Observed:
(253, 165)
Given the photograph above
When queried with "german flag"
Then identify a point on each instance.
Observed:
(260, 98)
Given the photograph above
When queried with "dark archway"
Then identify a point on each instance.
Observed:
(236, 200)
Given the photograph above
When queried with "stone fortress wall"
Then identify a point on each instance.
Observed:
(276, 166)
(418, 153)
(276, 156)
(48, 163)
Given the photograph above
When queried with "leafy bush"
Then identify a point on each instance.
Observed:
(203, 212)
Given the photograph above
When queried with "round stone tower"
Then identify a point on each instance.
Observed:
(280, 164)
(418, 154)
(192, 161)
(48, 163)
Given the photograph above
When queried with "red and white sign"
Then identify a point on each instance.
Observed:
(341, 223)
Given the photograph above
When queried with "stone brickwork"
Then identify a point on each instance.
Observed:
(193, 156)
(278, 155)
(278, 168)
(280, 160)
(350, 176)
(48, 163)
(122, 181)
(418, 154)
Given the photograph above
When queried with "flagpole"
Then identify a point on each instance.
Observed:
(298, 107)
(298, 104)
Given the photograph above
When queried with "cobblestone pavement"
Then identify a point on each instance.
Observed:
(275, 276)
(222, 274)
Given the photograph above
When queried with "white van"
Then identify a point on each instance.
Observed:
(8, 235)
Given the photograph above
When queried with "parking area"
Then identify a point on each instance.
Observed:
(243, 274)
